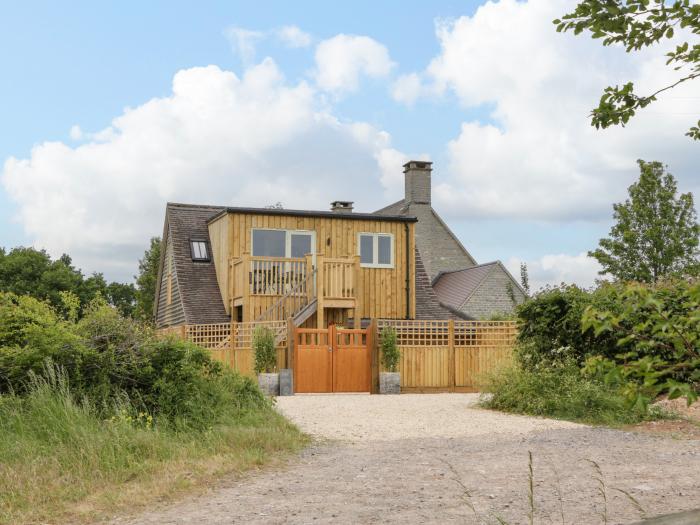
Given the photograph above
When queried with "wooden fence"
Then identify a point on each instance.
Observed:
(436, 356)
(450, 355)
(236, 352)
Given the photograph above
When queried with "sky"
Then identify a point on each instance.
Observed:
(109, 110)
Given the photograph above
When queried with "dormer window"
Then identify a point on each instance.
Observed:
(200, 250)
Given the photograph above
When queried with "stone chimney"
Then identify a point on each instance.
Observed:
(417, 177)
(341, 206)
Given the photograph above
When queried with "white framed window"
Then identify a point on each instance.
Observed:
(282, 243)
(376, 250)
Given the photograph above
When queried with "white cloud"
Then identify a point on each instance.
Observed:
(243, 42)
(559, 268)
(217, 139)
(341, 60)
(407, 88)
(75, 132)
(537, 156)
(293, 37)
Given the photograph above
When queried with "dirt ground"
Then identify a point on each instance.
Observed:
(439, 459)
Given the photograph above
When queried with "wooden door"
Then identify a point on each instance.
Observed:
(313, 365)
(351, 360)
(331, 360)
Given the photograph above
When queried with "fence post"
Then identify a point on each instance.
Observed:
(247, 283)
(320, 321)
(289, 354)
(373, 343)
(358, 292)
(451, 353)
(183, 332)
(232, 344)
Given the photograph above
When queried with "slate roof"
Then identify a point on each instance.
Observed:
(428, 306)
(199, 289)
(454, 288)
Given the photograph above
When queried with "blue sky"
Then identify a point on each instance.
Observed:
(83, 64)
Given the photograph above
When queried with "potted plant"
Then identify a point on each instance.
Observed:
(266, 360)
(390, 379)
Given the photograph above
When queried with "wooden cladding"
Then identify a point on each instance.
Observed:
(339, 278)
(378, 292)
(450, 355)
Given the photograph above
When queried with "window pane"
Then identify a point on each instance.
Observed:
(199, 250)
(366, 249)
(301, 244)
(268, 243)
(384, 249)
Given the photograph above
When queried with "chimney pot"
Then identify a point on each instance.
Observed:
(341, 206)
(417, 175)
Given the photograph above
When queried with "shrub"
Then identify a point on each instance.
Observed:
(657, 334)
(108, 358)
(390, 350)
(561, 392)
(264, 350)
(550, 328)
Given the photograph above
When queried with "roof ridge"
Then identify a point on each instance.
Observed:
(444, 272)
(185, 205)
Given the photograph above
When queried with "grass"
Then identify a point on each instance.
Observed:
(562, 393)
(62, 462)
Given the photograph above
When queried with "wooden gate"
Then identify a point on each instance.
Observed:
(331, 360)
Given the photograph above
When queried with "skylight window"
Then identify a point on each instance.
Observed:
(200, 251)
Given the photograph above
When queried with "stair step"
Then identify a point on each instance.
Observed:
(306, 312)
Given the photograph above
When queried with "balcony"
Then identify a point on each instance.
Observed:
(280, 287)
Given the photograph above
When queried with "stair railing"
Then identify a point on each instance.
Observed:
(293, 301)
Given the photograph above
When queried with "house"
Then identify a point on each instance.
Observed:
(460, 285)
(222, 264)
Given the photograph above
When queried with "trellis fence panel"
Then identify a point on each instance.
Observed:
(450, 355)
(236, 352)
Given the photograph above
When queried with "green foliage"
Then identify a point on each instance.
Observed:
(656, 233)
(637, 24)
(657, 332)
(107, 357)
(524, 278)
(65, 458)
(390, 353)
(147, 279)
(264, 350)
(26, 271)
(561, 392)
(550, 328)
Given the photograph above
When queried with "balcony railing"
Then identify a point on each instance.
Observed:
(334, 279)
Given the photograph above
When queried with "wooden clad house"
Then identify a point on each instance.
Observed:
(260, 264)
(223, 265)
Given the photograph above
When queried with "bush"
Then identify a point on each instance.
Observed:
(390, 349)
(108, 358)
(550, 328)
(561, 392)
(657, 333)
(264, 350)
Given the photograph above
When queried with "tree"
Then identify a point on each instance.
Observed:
(655, 234)
(147, 279)
(26, 271)
(637, 24)
(122, 297)
(524, 278)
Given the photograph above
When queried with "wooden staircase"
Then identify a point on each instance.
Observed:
(299, 303)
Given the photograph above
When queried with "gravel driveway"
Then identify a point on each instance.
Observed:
(439, 459)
